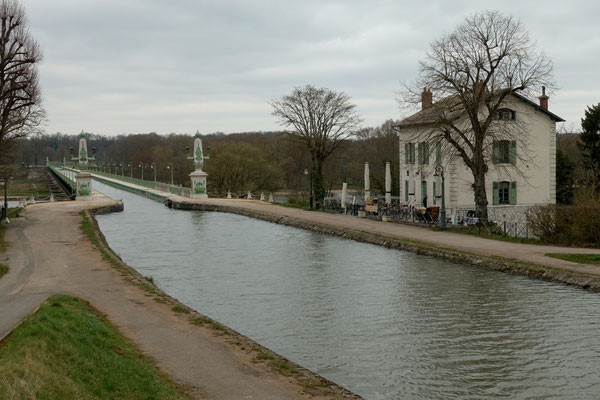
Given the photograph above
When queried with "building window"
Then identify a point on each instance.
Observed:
(503, 190)
(505, 114)
(409, 153)
(505, 151)
(505, 193)
(423, 153)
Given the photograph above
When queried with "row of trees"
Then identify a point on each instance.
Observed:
(266, 161)
(578, 161)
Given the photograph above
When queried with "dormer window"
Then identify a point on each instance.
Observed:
(505, 114)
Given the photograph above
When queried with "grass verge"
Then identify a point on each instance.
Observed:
(67, 350)
(578, 258)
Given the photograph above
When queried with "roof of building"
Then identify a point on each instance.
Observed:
(422, 117)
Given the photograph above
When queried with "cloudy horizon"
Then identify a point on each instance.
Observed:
(117, 67)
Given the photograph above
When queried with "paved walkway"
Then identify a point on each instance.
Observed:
(467, 243)
(48, 254)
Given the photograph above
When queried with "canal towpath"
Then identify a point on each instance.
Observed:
(517, 252)
(49, 254)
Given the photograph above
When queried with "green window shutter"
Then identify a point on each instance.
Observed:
(405, 190)
(496, 194)
(407, 153)
(420, 156)
(513, 152)
(496, 157)
(412, 153)
(425, 153)
(423, 190)
(438, 153)
(513, 192)
(434, 195)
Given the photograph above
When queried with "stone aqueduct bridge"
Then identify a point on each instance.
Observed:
(77, 183)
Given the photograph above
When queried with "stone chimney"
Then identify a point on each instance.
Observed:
(426, 98)
(544, 99)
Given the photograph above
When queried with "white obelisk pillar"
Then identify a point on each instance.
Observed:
(388, 183)
(367, 182)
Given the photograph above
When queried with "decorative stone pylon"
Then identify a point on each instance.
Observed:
(83, 157)
(83, 153)
(198, 177)
(83, 182)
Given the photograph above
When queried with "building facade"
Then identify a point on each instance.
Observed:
(521, 164)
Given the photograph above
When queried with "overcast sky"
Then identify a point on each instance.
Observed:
(134, 66)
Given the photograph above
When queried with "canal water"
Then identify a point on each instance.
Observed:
(384, 323)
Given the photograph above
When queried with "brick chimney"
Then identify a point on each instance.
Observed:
(426, 99)
(544, 99)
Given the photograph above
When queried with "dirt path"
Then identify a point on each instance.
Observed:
(48, 254)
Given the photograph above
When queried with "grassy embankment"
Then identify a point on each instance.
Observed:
(67, 350)
(27, 182)
(578, 258)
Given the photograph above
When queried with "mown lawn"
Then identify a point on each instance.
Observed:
(67, 350)
(578, 258)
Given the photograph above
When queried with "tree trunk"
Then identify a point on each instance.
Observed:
(319, 184)
(480, 196)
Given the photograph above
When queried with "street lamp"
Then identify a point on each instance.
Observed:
(153, 166)
(7, 173)
(310, 203)
(130, 165)
(170, 166)
(142, 167)
(439, 171)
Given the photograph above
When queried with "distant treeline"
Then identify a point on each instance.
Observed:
(265, 161)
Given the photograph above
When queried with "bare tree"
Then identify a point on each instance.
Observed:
(472, 72)
(21, 110)
(321, 119)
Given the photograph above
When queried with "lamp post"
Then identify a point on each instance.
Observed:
(170, 166)
(7, 173)
(153, 166)
(142, 167)
(310, 190)
(439, 171)
(122, 169)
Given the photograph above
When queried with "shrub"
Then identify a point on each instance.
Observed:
(577, 224)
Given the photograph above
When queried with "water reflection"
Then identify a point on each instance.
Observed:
(386, 324)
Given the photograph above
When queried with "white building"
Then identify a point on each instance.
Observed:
(521, 166)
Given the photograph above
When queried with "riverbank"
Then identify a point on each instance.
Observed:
(49, 254)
